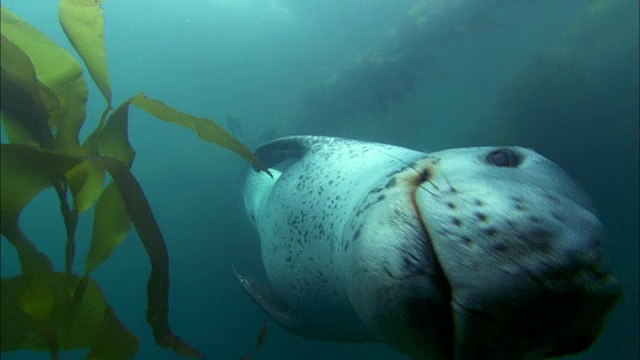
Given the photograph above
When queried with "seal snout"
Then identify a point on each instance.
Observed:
(517, 240)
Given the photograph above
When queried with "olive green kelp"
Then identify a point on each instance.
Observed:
(43, 107)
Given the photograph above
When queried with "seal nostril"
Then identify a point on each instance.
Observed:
(503, 158)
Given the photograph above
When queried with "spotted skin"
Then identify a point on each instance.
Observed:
(440, 255)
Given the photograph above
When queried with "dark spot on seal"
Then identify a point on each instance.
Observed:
(288, 258)
(391, 183)
(554, 199)
(456, 222)
(535, 219)
(478, 203)
(501, 247)
(451, 205)
(536, 240)
(389, 272)
(541, 233)
(482, 217)
(467, 241)
(559, 217)
(425, 175)
(518, 206)
(491, 231)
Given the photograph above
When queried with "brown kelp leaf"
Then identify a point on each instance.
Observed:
(205, 129)
(83, 23)
(154, 244)
(111, 224)
(58, 71)
(24, 113)
(77, 318)
(113, 341)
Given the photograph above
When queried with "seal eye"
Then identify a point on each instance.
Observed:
(503, 158)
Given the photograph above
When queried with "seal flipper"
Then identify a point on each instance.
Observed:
(265, 296)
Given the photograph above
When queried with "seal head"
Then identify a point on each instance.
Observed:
(504, 242)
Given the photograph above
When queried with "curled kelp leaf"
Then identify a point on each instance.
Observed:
(83, 23)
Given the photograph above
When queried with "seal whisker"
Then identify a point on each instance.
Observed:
(427, 190)
(424, 175)
(451, 188)
(402, 161)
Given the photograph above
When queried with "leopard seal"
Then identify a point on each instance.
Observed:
(470, 253)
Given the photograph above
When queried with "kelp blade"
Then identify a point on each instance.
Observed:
(206, 129)
(73, 322)
(24, 111)
(112, 140)
(25, 171)
(47, 92)
(149, 232)
(83, 23)
(85, 182)
(59, 72)
(31, 259)
(114, 341)
(111, 224)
